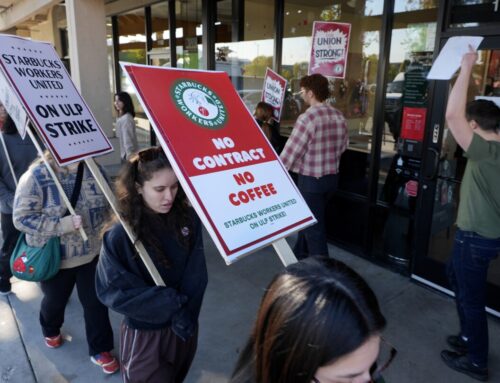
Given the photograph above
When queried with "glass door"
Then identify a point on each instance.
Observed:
(444, 166)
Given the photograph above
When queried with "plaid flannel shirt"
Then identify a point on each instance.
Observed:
(318, 139)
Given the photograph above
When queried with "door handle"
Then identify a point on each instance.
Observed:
(496, 5)
(432, 167)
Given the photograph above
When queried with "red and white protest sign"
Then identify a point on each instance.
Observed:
(329, 48)
(273, 92)
(54, 105)
(228, 169)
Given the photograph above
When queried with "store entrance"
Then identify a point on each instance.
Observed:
(444, 165)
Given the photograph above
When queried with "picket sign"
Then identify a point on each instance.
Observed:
(108, 193)
(54, 177)
(8, 159)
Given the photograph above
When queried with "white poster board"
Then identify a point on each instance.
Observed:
(54, 105)
(12, 105)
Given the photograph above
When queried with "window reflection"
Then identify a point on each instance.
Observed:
(159, 55)
(188, 34)
(244, 45)
(132, 48)
(354, 95)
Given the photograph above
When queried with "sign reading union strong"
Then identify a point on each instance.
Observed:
(199, 104)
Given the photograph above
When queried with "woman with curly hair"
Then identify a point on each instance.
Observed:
(159, 331)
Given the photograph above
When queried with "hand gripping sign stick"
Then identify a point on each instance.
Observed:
(53, 174)
(103, 184)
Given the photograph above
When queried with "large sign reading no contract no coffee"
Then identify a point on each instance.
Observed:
(232, 175)
(53, 103)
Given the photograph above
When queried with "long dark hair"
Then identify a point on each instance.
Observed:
(128, 105)
(313, 313)
(144, 221)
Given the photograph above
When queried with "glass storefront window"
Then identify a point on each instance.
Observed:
(476, 13)
(159, 55)
(405, 111)
(188, 34)
(244, 45)
(354, 95)
(132, 48)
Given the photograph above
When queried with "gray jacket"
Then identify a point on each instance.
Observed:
(21, 153)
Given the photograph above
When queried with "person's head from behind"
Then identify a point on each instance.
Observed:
(263, 111)
(483, 115)
(318, 321)
(123, 104)
(314, 87)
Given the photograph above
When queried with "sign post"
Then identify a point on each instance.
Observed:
(232, 176)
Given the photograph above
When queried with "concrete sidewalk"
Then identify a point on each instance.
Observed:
(418, 321)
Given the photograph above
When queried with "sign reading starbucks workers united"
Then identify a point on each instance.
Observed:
(199, 104)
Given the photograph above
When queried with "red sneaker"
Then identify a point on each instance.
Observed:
(107, 361)
(53, 341)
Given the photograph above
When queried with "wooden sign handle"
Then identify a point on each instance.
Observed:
(284, 252)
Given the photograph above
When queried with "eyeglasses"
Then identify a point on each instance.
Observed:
(386, 355)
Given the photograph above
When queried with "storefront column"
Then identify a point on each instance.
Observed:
(89, 58)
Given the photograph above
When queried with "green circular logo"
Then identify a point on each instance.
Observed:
(199, 104)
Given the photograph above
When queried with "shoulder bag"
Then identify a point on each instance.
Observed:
(37, 264)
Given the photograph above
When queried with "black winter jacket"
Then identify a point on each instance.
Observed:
(124, 284)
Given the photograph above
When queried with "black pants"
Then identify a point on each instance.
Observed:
(10, 235)
(57, 291)
(311, 241)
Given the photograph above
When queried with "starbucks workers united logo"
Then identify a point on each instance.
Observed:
(199, 104)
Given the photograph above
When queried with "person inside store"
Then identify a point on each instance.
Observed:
(313, 151)
(40, 213)
(160, 329)
(264, 116)
(125, 125)
(476, 128)
(19, 154)
(319, 322)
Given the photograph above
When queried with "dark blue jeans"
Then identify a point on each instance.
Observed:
(467, 272)
(316, 192)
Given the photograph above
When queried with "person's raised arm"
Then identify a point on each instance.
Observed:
(457, 101)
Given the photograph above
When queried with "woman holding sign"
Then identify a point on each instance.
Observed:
(160, 329)
(16, 155)
(40, 213)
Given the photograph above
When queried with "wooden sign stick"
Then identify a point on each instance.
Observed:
(103, 184)
(54, 177)
(284, 251)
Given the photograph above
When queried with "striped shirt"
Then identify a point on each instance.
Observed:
(318, 139)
